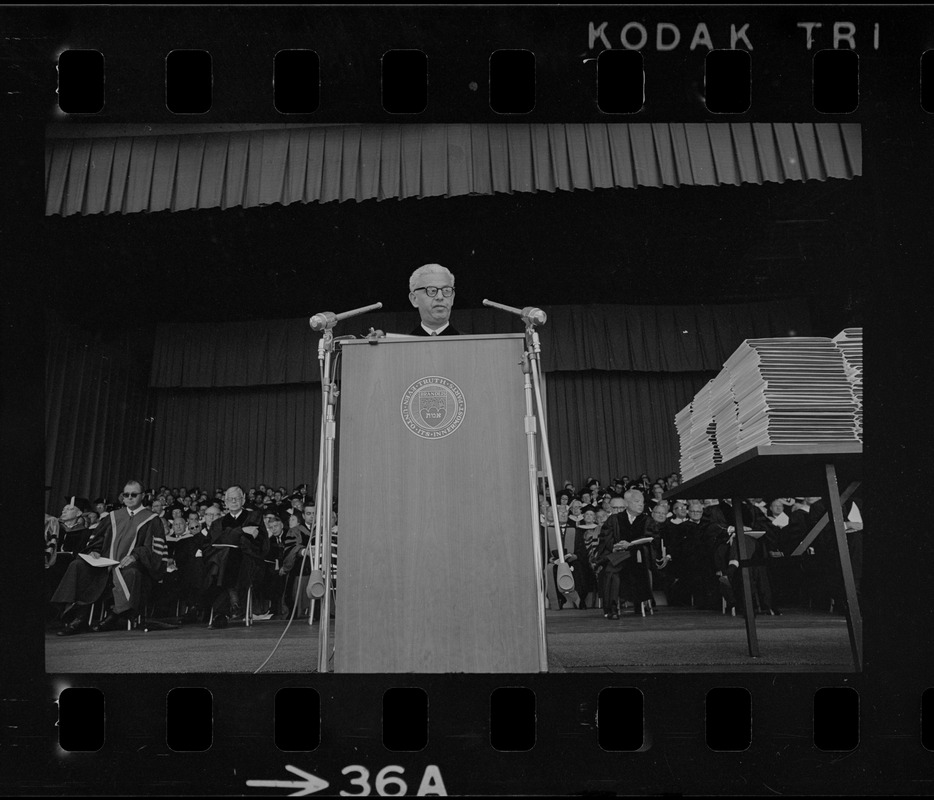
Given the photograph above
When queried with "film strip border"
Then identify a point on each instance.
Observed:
(455, 735)
(619, 722)
(619, 84)
(131, 717)
(368, 64)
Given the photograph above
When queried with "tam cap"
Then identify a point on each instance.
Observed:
(81, 503)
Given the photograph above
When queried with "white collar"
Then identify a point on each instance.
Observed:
(436, 331)
(134, 513)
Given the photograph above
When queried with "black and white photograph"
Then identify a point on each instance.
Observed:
(466, 400)
(651, 280)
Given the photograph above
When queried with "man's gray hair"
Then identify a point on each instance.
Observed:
(631, 494)
(429, 269)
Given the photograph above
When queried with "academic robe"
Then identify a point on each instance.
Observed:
(221, 555)
(584, 545)
(188, 563)
(253, 552)
(691, 553)
(139, 536)
(633, 572)
(74, 540)
(448, 331)
(63, 548)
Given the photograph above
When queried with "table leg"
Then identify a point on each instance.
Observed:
(854, 620)
(752, 638)
(808, 540)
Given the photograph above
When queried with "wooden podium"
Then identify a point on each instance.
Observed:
(436, 571)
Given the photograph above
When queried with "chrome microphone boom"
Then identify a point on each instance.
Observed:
(530, 315)
(328, 319)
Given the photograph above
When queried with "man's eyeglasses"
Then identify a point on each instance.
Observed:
(432, 291)
(132, 494)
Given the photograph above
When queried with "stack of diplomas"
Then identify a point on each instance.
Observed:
(788, 391)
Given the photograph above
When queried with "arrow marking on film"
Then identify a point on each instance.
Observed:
(309, 784)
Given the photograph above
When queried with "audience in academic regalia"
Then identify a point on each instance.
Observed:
(205, 551)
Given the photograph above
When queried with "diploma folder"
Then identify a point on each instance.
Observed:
(98, 562)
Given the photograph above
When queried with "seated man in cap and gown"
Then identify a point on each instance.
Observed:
(188, 554)
(619, 560)
(253, 553)
(222, 555)
(586, 542)
(73, 531)
(132, 537)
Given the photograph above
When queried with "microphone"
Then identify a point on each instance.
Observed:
(530, 315)
(328, 319)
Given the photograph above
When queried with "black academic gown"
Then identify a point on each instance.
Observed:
(221, 555)
(188, 563)
(691, 561)
(633, 575)
(74, 540)
(448, 331)
(584, 579)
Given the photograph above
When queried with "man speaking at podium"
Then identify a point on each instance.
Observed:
(431, 291)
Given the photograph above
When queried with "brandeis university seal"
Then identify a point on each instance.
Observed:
(433, 407)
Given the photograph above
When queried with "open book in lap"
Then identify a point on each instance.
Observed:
(100, 561)
(643, 540)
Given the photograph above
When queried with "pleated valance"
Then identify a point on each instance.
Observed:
(125, 169)
(597, 337)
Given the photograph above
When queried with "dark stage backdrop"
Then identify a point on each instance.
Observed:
(98, 430)
(599, 423)
(615, 338)
(218, 437)
(608, 424)
(216, 404)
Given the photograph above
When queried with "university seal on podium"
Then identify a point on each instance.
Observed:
(433, 407)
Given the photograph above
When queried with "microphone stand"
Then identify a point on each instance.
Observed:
(319, 581)
(531, 367)
(564, 580)
(530, 430)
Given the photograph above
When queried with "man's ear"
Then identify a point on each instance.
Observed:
(412, 300)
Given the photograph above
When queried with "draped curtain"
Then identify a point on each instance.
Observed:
(221, 404)
(93, 169)
(608, 424)
(601, 337)
(210, 405)
(98, 411)
(599, 423)
(267, 434)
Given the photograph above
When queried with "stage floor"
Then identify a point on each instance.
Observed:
(671, 640)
